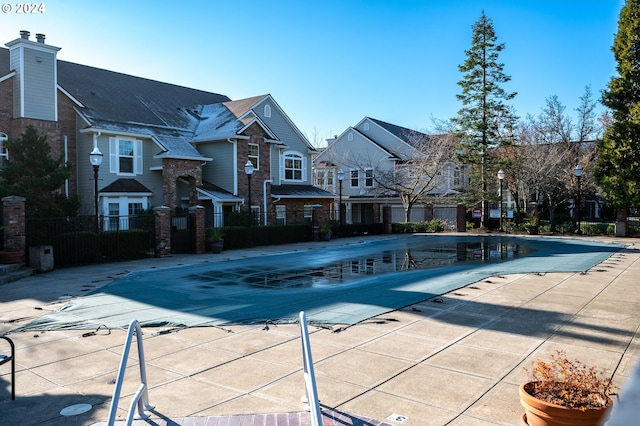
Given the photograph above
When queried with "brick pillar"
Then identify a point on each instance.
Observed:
(199, 239)
(461, 218)
(386, 219)
(163, 230)
(14, 222)
(428, 212)
(317, 218)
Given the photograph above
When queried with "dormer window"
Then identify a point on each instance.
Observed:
(267, 111)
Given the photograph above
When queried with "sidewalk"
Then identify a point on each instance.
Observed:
(456, 359)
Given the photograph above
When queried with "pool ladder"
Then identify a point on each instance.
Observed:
(141, 397)
(6, 358)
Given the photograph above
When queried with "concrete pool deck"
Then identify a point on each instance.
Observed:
(455, 359)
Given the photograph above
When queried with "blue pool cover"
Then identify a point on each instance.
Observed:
(340, 285)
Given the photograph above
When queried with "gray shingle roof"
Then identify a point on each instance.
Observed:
(299, 191)
(119, 102)
(126, 185)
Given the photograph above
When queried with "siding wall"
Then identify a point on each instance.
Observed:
(221, 170)
(40, 85)
(281, 127)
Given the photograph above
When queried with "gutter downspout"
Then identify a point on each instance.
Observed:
(66, 161)
(264, 196)
(235, 164)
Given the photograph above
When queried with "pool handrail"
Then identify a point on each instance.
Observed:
(311, 392)
(141, 396)
(10, 358)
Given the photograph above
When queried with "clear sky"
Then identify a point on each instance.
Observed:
(329, 63)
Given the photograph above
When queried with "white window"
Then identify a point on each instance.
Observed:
(320, 178)
(355, 178)
(254, 155)
(267, 111)
(255, 213)
(366, 125)
(350, 136)
(120, 210)
(281, 215)
(294, 166)
(308, 214)
(125, 156)
(368, 178)
(329, 178)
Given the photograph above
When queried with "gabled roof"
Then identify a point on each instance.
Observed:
(126, 185)
(229, 119)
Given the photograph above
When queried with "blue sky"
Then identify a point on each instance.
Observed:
(329, 63)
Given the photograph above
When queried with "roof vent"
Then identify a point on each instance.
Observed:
(40, 38)
(25, 34)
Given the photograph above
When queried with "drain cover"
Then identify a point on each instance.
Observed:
(74, 410)
(398, 418)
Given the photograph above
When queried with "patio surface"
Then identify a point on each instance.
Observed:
(455, 359)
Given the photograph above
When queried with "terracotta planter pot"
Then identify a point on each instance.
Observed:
(541, 413)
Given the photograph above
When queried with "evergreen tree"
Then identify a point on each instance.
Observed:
(485, 120)
(618, 171)
(30, 172)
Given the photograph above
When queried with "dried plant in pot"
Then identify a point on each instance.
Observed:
(565, 392)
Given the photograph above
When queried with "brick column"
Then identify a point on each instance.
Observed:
(163, 230)
(317, 218)
(386, 219)
(14, 222)
(199, 239)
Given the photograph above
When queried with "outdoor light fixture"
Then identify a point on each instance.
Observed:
(500, 178)
(96, 160)
(578, 172)
(248, 169)
(340, 179)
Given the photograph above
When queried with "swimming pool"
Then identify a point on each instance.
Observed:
(337, 285)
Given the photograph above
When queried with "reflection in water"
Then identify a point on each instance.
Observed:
(418, 253)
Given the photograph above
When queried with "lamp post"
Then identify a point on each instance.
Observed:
(248, 169)
(96, 160)
(500, 178)
(340, 179)
(578, 172)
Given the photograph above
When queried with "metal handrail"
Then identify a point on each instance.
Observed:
(141, 396)
(11, 358)
(311, 392)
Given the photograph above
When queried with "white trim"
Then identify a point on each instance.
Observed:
(287, 119)
(67, 94)
(8, 76)
(85, 119)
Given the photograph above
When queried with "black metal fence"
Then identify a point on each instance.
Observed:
(76, 241)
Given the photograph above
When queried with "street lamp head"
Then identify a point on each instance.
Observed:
(95, 157)
(578, 170)
(500, 174)
(341, 175)
(248, 168)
